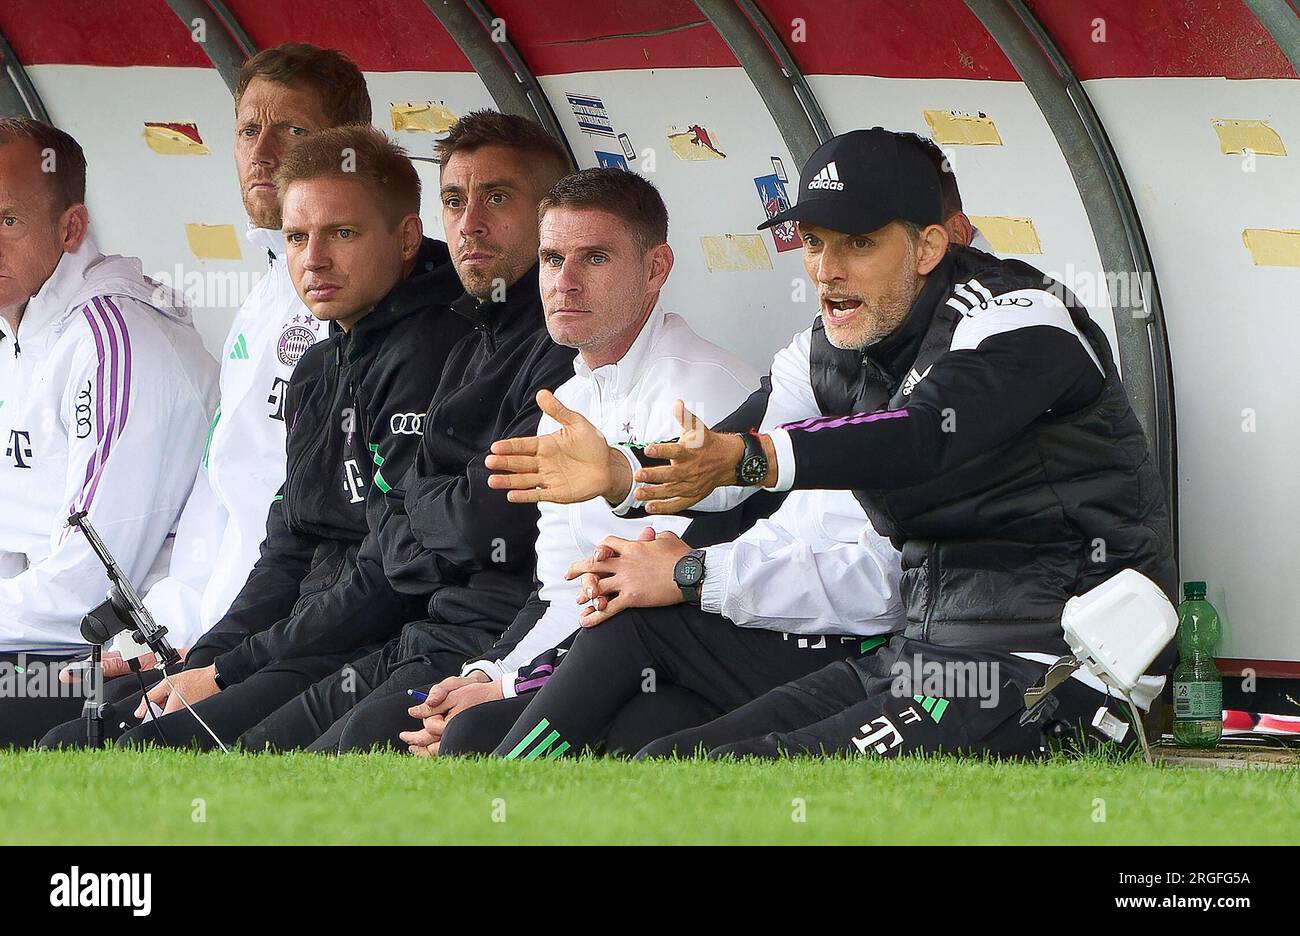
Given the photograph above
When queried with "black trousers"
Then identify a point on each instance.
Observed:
(648, 716)
(360, 707)
(32, 700)
(121, 696)
(639, 650)
(235, 709)
(908, 697)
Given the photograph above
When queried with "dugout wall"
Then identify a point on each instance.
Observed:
(1154, 140)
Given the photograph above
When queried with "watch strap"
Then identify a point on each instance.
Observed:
(753, 448)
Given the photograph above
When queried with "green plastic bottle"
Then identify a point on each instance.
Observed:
(1198, 687)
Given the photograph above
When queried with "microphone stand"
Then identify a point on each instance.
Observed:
(127, 605)
(126, 610)
(93, 709)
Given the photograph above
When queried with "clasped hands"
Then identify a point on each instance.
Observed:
(623, 574)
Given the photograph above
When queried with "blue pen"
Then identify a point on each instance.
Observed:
(417, 695)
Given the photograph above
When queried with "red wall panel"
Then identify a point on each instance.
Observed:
(92, 32)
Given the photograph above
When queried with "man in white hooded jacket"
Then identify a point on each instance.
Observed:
(105, 399)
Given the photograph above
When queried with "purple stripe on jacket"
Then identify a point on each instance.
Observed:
(126, 344)
(830, 422)
(113, 343)
(99, 400)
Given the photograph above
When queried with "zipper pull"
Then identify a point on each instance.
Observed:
(352, 423)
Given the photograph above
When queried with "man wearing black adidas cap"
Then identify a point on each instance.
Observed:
(976, 413)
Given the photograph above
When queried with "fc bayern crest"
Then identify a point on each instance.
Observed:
(294, 342)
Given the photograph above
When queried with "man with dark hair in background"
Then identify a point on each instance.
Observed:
(960, 229)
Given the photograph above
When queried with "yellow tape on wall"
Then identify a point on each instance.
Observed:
(174, 139)
(422, 117)
(1271, 247)
(1009, 235)
(955, 127)
(1237, 136)
(213, 241)
(733, 252)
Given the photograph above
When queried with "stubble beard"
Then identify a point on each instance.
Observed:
(266, 216)
(880, 317)
(480, 282)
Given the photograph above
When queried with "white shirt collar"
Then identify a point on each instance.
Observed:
(619, 377)
(267, 239)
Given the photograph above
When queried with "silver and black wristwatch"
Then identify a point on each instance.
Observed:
(753, 466)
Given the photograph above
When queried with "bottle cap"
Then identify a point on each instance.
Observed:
(1194, 591)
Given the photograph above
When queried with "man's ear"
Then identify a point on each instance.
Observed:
(412, 229)
(661, 264)
(931, 246)
(74, 224)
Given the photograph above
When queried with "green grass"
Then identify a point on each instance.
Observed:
(151, 797)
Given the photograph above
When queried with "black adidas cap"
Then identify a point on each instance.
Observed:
(859, 181)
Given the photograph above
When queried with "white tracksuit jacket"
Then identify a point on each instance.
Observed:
(105, 397)
(630, 400)
(224, 521)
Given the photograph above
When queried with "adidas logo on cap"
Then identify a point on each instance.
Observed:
(828, 178)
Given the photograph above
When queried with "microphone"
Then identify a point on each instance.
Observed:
(101, 624)
(124, 608)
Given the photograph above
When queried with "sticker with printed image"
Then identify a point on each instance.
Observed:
(775, 199)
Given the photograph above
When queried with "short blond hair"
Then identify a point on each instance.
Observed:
(361, 153)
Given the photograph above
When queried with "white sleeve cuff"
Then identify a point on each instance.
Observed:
(717, 571)
(784, 449)
(628, 502)
(491, 668)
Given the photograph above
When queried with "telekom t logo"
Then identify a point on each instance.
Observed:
(353, 481)
(277, 397)
(20, 447)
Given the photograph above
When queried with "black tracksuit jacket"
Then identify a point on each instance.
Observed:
(345, 397)
(444, 549)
